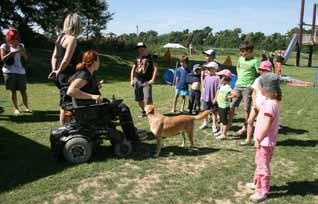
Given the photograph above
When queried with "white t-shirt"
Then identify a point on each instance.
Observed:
(16, 67)
(258, 95)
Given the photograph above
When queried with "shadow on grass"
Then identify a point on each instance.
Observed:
(295, 188)
(298, 143)
(24, 161)
(143, 151)
(287, 130)
(36, 116)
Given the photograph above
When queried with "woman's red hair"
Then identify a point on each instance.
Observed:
(12, 34)
(89, 58)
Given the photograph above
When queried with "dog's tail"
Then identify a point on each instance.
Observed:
(202, 115)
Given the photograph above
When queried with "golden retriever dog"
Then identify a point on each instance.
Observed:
(163, 126)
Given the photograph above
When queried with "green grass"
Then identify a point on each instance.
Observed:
(214, 174)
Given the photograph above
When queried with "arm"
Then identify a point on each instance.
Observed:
(5, 56)
(254, 98)
(132, 74)
(53, 60)
(23, 52)
(265, 127)
(74, 90)
(215, 98)
(155, 66)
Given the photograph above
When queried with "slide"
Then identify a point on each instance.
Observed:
(290, 47)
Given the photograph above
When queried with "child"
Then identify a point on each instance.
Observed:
(181, 83)
(278, 65)
(222, 98)
(265, 135)
(247, 67)
(211, 86)
(257, 100)
(14, 73)
(195, 95)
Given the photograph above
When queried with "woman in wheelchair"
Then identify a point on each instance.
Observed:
(84, 89)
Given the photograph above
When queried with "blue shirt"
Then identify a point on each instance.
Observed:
(181, 78)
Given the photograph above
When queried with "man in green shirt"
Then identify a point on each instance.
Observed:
(247, 67)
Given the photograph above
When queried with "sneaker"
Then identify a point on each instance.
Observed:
(217, 134)
(221, 137)
(203, 126)
(246, 143)
(258, 197)
(240, 132)
(16, 112)
(214, 129)
(27, 110)
(250, 186)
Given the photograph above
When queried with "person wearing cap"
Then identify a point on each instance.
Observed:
(194, 78)
(247, 67)
(257, 100)
(142, 76)
(210, 56)
(181, 83)
(211, 85)
(265, 135)
(223, 98)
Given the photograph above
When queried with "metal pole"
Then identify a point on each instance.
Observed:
(313, 28)
(300, 36)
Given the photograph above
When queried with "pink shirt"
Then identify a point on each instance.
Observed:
(268, 108)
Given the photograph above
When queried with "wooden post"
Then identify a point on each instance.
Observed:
(313, 28)
(300, 36)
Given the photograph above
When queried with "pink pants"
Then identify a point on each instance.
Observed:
(262, 173)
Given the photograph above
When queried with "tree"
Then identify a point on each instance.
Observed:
(48, 14)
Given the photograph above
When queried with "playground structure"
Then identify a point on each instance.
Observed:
(302, 39)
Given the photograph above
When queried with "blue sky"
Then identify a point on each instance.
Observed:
(176, 15)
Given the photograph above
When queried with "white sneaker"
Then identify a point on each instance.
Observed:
(250, 186)
(217, 134)
(258, 197)
(214, 129)
(221, 137)
(203, 126)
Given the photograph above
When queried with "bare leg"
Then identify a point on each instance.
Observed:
(175, 99)
(141, 105)
(250, 124)
(231, 116)
(25, 99)
(183, 103)
(14, 100)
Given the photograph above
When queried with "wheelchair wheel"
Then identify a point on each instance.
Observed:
(77, 150)
(123, 149)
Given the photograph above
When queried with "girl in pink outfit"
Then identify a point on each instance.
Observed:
(265, 134)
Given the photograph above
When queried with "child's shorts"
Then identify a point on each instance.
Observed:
(182, 92)
(223, 113)
(208, 105)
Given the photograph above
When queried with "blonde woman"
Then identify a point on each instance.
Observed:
(65, 57)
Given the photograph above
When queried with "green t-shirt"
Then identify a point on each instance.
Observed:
(224, 92)
(246, 71)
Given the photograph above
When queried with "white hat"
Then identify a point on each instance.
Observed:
(210, 52)
(212, 65)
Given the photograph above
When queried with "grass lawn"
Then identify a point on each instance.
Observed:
(215, 173)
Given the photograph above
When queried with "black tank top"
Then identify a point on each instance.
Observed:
(60, 52)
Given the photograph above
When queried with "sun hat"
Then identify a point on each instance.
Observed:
(196, 67)
(270, 82)
(212, 65)
(225, 72)
(266, 66)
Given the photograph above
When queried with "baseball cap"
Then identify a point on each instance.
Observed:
(225, 72)
(270, 82)
(140, 44)
(196, 67)
(266, 66)
(212, 65)
(210, 52)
